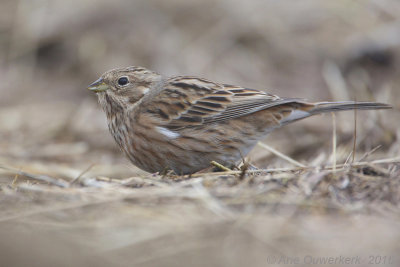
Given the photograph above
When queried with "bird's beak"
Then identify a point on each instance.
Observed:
(98, 86)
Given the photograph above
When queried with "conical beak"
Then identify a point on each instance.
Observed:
(98, 86)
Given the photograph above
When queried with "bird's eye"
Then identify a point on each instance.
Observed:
(123, 81)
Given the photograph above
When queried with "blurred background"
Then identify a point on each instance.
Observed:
(50, 50)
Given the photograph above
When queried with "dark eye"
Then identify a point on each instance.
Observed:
(123, 81)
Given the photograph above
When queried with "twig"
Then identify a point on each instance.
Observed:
(281, 155)
(14, 180)
(42, 178)
(348, 158)
(333, 142)
(81, 174)
(220, 166)
(367, 154)
(354, 134)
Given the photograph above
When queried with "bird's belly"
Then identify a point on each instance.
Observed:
(188, 152)
(185, 156)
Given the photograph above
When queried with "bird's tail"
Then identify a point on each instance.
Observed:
(323, 107)
(303, 109)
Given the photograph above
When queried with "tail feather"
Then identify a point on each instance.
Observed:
(323, 107)
(303, 109)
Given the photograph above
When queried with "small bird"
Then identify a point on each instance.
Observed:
(183, 123)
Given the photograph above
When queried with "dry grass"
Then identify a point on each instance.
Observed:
(216, 218)
(326, 187)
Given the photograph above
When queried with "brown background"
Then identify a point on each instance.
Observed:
(50, 124)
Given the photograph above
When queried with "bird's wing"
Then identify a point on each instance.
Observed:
(189, 102)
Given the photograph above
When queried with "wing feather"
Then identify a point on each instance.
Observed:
(192, 102)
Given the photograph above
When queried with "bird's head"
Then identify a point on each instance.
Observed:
(125, 86)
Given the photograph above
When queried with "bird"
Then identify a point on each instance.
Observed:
(182, 123)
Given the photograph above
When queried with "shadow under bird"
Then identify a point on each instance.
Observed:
(183, 123)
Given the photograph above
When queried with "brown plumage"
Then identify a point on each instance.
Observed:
(183, 123)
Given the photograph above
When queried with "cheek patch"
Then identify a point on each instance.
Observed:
(143, 89)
